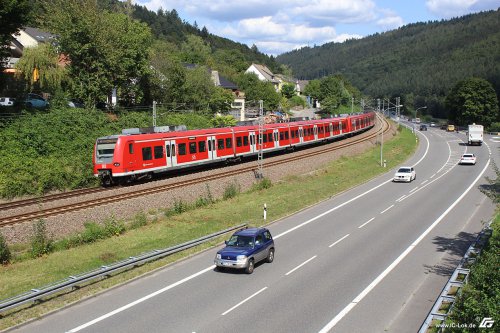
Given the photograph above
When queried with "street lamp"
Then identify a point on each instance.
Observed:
(415, 123)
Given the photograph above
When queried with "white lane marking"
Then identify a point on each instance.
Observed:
(109, 314)
(331, 210)
(401, 198)
(361, 226)
(413, 189)
(379, 278)
(425, 181)
(305, 262)
(140, 300)
(243, 301)
(385, 210)
(433, 176)
(340, 240)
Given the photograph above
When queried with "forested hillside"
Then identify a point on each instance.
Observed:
(167, 25)
(420, 62)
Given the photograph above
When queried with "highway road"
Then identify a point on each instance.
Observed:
(373, 259)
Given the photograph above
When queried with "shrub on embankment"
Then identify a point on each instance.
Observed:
(52, 150)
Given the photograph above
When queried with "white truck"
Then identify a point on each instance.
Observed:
(475, 134)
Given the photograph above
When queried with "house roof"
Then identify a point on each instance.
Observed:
(266, 72)
(218, 79)
(39, 35)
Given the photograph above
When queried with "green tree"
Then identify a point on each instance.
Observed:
(313, 89)
(220, 101)
(473, 101)
(256, 90)
(223, 121)
(288, 90)
(107, 50)
(195, 51)
(40, 67)
(14, 15)
(198, 88)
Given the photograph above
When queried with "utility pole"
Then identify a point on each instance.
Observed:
(154, 113)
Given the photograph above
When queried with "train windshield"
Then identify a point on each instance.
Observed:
(105, 149)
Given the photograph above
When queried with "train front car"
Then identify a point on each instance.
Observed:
(107, 162)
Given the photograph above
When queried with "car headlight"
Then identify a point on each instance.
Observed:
(218, 256)
(241, 258)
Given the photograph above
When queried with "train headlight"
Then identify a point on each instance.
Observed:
(116, 164)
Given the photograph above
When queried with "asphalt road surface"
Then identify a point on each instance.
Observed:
(373, 259)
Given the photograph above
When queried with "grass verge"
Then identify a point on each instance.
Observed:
(168, 230)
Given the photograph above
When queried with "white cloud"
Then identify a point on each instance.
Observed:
(334, 12)
(454, 8)
(390, 20)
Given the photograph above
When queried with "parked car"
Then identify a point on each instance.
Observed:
(423, 127)
(7, 101)
(246, 248)
(405, 174)
(468, 159)
(75, 103)
(35, 101)
(433, 125)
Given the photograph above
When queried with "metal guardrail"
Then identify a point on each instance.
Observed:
(444, 304)
(73, 281)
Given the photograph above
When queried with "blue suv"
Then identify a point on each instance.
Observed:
(245, 248)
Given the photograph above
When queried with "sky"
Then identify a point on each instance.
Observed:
(279, 26)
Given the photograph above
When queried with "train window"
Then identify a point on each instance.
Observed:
(229, 142)
(245, 141)
(210, 145)
(158, 150)
(282, 136)
(202, 146)
(293, 134)
(275, 136)
(130, 148)
(147, 154)
(220, 144)
(167, 147)
(173, 149)
(182, 149)
(270, 137)
(192, 147)
(286, 135)
(239, 141)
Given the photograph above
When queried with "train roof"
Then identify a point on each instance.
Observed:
(218, 130)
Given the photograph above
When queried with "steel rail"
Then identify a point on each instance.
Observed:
(43, 213)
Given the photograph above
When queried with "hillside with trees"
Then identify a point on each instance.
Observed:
(420, 62)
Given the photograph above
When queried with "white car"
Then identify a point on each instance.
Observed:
(405, 174)
(6, 101)
(468, 159)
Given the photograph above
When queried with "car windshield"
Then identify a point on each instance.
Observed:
(240, 241)
(404, 170)
(468, 155)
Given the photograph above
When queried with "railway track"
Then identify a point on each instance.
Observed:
(84, 204)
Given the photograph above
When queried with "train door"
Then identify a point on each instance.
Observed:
(276, 138)
(253, 143)
(315, 131)
(171, 154)
(212, 148)
(301, 134)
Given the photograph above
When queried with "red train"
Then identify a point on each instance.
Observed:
(127, 157)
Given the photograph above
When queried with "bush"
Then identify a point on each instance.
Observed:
(231, 191)
(140, 219)
(4, 251)
(265, 183)
(40, 243)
